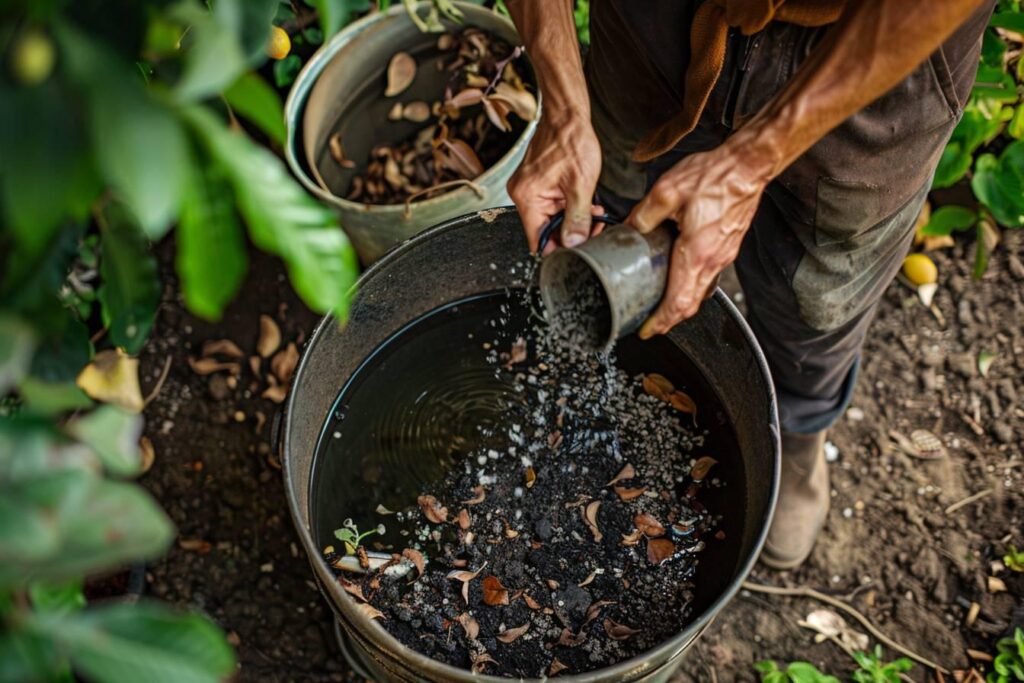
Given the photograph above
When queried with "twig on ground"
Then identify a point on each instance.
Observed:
(968, 500)
(159, 383)
(805, 592)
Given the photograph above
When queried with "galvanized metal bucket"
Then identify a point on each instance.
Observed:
(468, 256)
(344, 66)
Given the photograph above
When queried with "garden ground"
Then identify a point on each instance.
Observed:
(892, 548)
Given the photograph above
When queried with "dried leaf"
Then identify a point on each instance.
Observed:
(469, 624)
(701, 467)
(629, 494)
(494, 592)
(830, 624)
(113, 377)
(465, 577)
(513, 634)
(927, 445)
(530, 602)
(147, 454)
(658, 386)
(617, 631)
(370, 611)
(555, 439)
(518, 352)
(277, 394)
(416, 557)
(462, 519)
(648, 525)
(478, 660)
(586, 581)
(432, 509)
(208, 366)
(395, 114)
(632, 538)
(401, 72)
(478, 498)
(222, 347)
(283, 363)
(995, 584)
(459, 157)
(531, 477)
(595, 609)
(521, 102)
(417, 112)
(569, 639)
(626, 472)
(659, 550)
(556, 667)
(195, 545)
(496, 113)
(985, 360)
(338, 152)
(466, 98)
(352, 589)
(590, 517)
(270, 337)
(682, 402)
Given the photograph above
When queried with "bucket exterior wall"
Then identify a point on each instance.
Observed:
(423, 275)
(374, 229)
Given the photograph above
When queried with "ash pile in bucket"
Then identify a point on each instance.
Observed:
(572, 547)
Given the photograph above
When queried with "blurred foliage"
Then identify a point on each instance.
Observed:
(795, 672)
(871, 668)
(986, 148)
(1008, 664)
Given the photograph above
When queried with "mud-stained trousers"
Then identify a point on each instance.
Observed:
(832, 230)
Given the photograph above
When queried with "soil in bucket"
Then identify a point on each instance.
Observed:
(545, 511)
(441, 114)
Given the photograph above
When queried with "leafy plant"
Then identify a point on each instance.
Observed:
(350, 536)
(795, 672)
(1014, 559)
(1008, 664)
(986, 145)
(874, 670)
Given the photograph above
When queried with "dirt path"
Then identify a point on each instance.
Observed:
(889, 546)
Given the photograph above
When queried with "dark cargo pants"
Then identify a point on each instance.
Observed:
(832, 230)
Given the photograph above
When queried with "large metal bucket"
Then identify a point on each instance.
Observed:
(457, 260)
(350, 62)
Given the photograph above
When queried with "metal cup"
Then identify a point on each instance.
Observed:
(629, 267)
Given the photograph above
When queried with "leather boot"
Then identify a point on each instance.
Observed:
(803, 501)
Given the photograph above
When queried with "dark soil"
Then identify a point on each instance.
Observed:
(889, 548)
(567, 570)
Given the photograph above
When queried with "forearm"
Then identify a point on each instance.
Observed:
(874, 45)
(548, 31)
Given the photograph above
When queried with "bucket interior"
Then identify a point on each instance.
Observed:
(714, 352)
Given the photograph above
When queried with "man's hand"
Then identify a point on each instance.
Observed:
(712, 197)
(559, 173)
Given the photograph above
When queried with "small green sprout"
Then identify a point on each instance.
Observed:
(1014, 559)
(874, 670)
(350, 536)
(795, 672)
(1009, 662)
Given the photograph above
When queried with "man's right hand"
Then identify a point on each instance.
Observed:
(559, 173)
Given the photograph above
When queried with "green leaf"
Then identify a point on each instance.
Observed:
(113, 435)
(17, 342)
(249, 21)
(212, 257)
(804, 672)
(282, 218)
(947, 219)
(52, 398)
(953, 165)
(57, 597)
(1015, 128)
(992, 49)
(285, 70)
(1012, 21)
(139, 145)
(766, 667)
(26, 657)
(998, 183)
(253, 99)
(61, 355)
(213, 53)
(337, 13)
(131, 289)
(125, 643)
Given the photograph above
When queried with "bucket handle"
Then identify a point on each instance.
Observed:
(480, 192)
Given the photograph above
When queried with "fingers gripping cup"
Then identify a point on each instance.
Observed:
(606, 287)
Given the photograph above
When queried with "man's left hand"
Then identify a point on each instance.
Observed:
(712, 196)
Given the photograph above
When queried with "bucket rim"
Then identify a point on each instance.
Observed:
(298, 94)
(344, 606)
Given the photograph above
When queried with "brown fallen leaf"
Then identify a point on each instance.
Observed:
(277, 393)
(270, 337)
(222, 347)
(469, 624)
(396, 112)
(465, 577)
(682, 402)
(370, 611)
(658, 386)
(701, 467)
(512, 634)
(463, 519)
(626, 472)
(629, 494)
(416, 557)
(569, 639)
(254, 364)
(530, 602)
(478, 498)
(531, 477)
(479, 660)
(632, 538)
(518, 352)
(497, 114)
(195, 545)
(648, 525)
(458, 157)
(147, 454)
(337, 151)
(595, 609)
(590, 517)
(556, 667)
(466, 97)
(353, 589)
(659, 550)
(283, 363)
(617, 631)
(417, 111)
(432, 509)
(494, 592)
(401, 72)
(522, 103)
(208, 366)
(586, 581)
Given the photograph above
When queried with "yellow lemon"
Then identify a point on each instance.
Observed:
(920, 269)
(279, 44)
